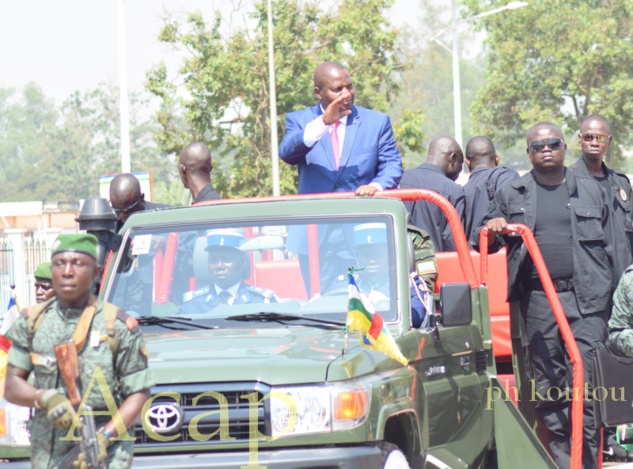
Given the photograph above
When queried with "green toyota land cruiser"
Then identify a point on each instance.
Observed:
(243, 306)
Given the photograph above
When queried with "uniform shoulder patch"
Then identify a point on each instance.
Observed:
(194, 294)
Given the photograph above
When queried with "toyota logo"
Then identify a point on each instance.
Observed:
(164, 418)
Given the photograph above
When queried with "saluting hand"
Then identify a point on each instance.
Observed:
(336, 110)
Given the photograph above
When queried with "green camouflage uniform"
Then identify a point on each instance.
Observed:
(621, 323)
(130, 370)
(425, 263)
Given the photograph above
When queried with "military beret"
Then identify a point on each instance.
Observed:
(82, 242)
(370, 233)
(231, 237)
(43, 271)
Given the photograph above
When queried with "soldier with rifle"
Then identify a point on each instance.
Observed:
(86, 356)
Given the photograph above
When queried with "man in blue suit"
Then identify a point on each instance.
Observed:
(338, 146)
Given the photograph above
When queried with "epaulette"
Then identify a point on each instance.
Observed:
(194, 294)
(265, 292)
(621, 174)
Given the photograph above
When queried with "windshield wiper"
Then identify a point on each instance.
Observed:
(163, 321)
(277, 317)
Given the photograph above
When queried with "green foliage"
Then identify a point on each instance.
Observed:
(26, 121)
(171, 193)
(223, 97)
(557, 61)
(428, 82)
(57, 154)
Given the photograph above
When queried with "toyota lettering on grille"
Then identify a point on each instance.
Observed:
(165, 418)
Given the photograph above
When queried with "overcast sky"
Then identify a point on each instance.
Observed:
(68, 45)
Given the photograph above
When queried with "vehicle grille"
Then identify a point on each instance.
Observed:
(481, 361)
(236, 406)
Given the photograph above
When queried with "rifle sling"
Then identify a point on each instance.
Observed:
(79, 336)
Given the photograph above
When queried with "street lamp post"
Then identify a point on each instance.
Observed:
(123, 93)
(457, 99)
(272, 90)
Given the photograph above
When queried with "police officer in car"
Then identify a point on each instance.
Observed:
(370, 246)
(229, 267)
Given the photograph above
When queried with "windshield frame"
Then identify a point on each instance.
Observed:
(393, 315)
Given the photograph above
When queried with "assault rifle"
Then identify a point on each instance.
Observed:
(68, 364)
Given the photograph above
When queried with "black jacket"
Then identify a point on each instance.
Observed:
(480, 190)
(619, 201)
(592, 244)
(207, 193)
(428, 216)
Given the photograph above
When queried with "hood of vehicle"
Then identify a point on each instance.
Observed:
(274, 355)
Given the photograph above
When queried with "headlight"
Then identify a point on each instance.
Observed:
(300, 410)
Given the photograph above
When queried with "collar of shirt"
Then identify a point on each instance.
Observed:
(232, 290)
(342, 120)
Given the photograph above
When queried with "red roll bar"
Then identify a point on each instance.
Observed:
(411, 195)
(563, 326)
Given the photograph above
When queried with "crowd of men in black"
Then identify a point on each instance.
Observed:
(580, 216)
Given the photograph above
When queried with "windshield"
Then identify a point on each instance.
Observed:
(212, 271)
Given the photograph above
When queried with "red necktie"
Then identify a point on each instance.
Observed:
(335, 146)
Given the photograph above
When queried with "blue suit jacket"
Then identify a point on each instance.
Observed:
(369, 153)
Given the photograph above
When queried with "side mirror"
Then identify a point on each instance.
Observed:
(455, 304)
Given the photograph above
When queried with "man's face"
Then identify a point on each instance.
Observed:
(373, 258)
(546, 148)
(125, 206)
(226, 265)
(334, 84)
(591, 132)
(43, 289)
(73, 274)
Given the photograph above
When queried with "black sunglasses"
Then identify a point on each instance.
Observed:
(553, 144)
(129, 209)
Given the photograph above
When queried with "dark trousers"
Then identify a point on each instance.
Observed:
(552, 372)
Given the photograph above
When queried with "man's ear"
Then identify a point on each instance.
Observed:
(317, 92)
(496, 159)
(97, 273)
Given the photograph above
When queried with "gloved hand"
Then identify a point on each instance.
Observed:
(59, 410)
(104, 442)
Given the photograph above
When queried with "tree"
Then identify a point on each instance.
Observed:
(557, 61)
(428, 83)
(57, 154)
(225, 100)
(26, 120)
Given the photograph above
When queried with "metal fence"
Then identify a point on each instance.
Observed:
(20, 254)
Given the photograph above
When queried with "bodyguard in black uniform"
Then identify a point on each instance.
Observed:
(486, 176)
(443, 165)
(569, 217)
(594, 139)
